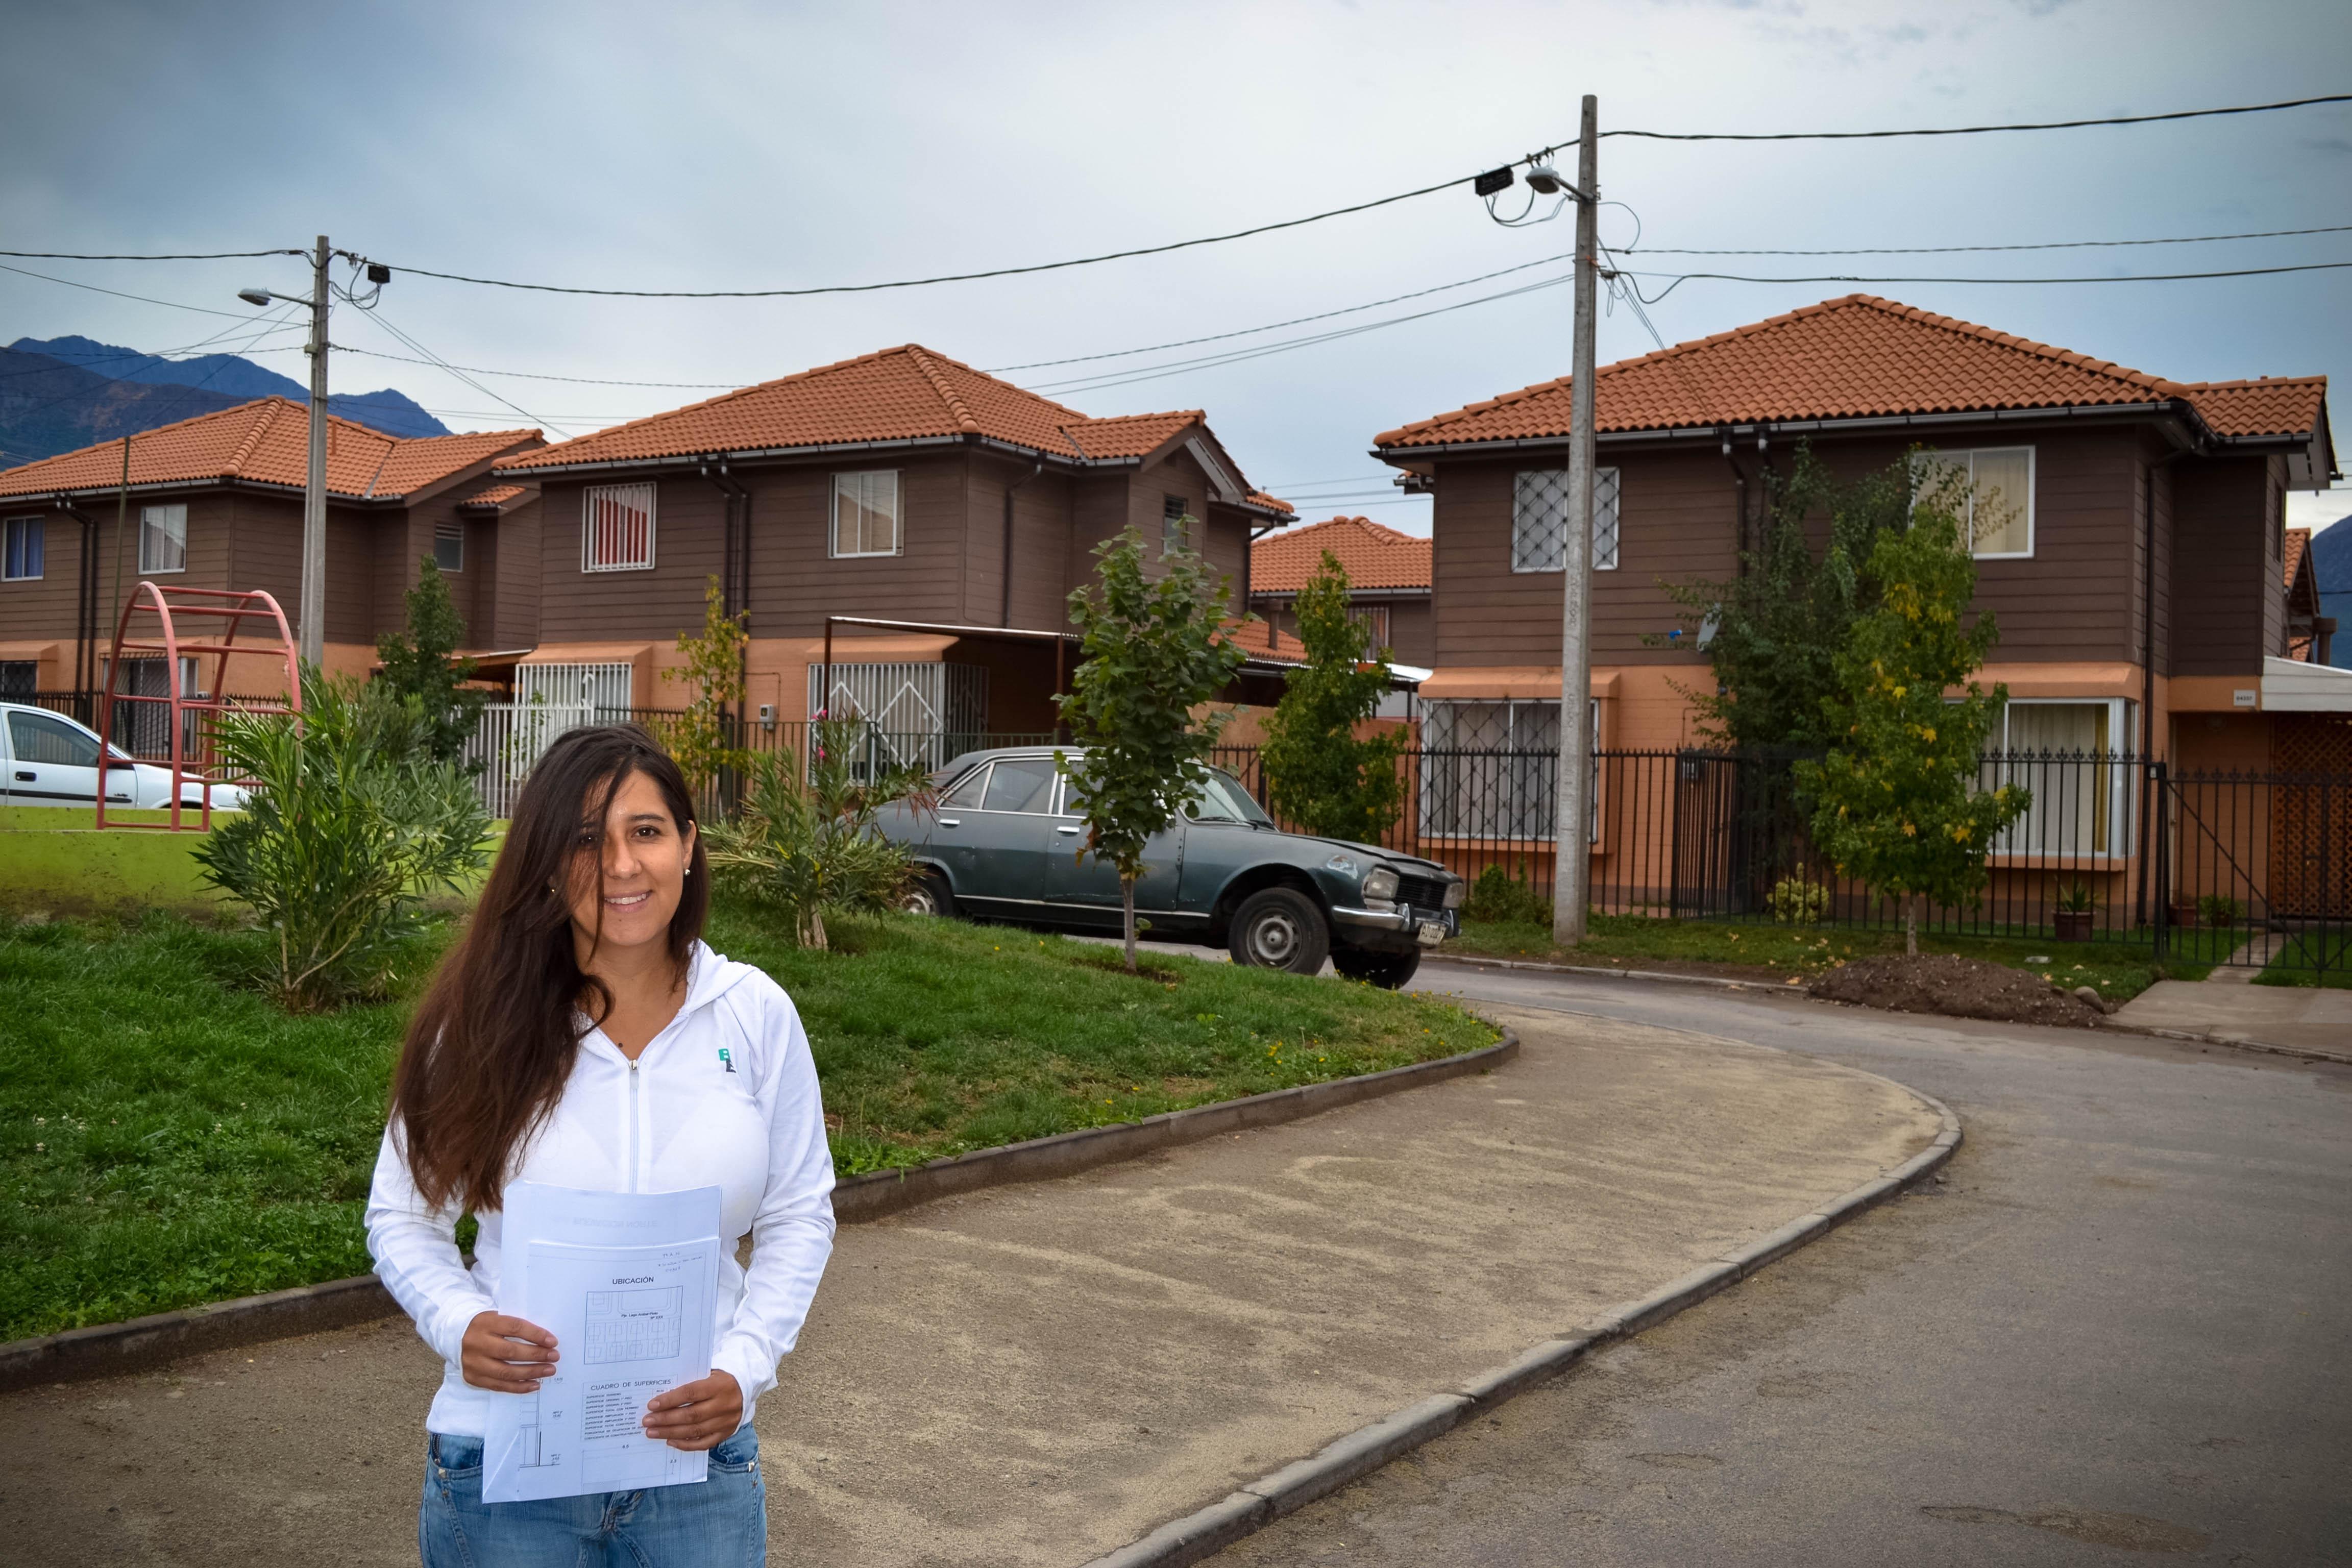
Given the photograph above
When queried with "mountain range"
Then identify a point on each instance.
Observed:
(60, 394)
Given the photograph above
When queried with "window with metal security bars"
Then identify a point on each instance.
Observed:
(1490, 770)
(865, 513)
(19, 677)
(1540, 520)
(600, 689)
(616, 528)
(24, 548)
(1995, 498)
(449, 546)
(162, 539)
(2072, 757)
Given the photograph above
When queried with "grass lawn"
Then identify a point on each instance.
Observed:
(2120, 970)
(2314, 958)
(169, 1138)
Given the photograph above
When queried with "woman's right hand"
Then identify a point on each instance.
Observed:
(506, 1355)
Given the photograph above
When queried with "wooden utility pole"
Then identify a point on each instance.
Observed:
(314, 493)
(1573, 855)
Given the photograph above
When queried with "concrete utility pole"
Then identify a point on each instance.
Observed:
(314, 494)
(1573, 855)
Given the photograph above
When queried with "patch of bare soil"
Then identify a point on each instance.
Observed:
(1955, 987)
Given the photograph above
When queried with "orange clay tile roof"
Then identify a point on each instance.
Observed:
(1854, 358)
(902, 393)
(1270, 504)
(264, 442)
(2298, 541)
(1375, 557)
(1261, 639)
(490, 495)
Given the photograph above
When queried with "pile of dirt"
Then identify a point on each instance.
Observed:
(1958, 988)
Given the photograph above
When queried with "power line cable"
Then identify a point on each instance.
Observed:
(179, 256)
(1971, 129)
(1681, 278)
(169, 304)
(384, 321)
(1337, 212)
(535, 375)
(1959, 249)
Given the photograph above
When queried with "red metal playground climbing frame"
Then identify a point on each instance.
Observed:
(191, 626)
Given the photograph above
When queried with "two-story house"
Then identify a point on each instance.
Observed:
(216, 502)
(2132, 543)
(1388, 580)
(901, 520)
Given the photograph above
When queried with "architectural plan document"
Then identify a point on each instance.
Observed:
(625, 1282)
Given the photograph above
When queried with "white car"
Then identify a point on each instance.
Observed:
(48, 759)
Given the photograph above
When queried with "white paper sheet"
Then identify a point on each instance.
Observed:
(625, 1282)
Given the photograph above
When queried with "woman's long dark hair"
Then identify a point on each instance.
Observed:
(492, 1044)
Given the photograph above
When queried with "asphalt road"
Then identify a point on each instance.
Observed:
(2117, 1331)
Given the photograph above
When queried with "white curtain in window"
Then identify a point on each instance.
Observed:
(163, 538)
(2000, 515)
(865, 513)
(616, 528)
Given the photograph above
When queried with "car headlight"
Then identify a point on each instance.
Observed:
(1453, 894)
(1380, 882)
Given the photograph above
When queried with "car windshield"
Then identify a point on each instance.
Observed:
(1222, 799)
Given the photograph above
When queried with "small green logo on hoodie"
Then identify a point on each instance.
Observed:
(725, 1060)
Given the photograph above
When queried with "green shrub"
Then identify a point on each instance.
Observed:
(2214, 910)
(1796, 900)
(802, 842)
(1500, 897)
(350, 826)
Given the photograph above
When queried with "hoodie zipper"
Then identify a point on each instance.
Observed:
(632, 1126)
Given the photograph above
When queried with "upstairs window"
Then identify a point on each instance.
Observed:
(617, 529)
(162, 539)
(1175, 513)
(865, 513)
(1996, 515)
(1539, 521)
(449, 546)
(1374, 620)
(24, 548)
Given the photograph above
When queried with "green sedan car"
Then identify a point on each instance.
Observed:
(1007, 839)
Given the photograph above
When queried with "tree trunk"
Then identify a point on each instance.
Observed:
(1127, 898)
(1910, 925)
(812, 928)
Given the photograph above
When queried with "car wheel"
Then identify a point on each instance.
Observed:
(1388, 971)
(928, 894)
(1280, 928)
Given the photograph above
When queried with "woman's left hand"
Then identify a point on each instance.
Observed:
(698, 1414)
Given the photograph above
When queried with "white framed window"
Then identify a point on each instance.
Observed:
(1490, 769)
(162, 539)
(1540, 520)
(25, 539)
(616, 528)
(1996, 518)
(1174, 511)
(1374, 620)
(605, 687)
(449, 546)
(2071, 755)
(865, 513)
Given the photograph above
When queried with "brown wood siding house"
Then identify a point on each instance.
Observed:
(2138, 590)
(1387, 579)
(227, 487)
(875, 488)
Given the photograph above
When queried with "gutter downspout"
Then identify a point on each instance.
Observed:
(1740, 516)
(735, 579)
(1005, 615)
(2148, 828)
(1249, 583)
(84, 597)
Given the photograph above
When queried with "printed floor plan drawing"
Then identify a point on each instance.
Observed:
(633, 1325)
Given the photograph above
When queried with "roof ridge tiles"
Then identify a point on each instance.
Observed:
(948, 394)
(266, 415)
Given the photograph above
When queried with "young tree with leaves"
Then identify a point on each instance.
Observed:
(714, 666)
(420, 666)
(1895, 802)
(1151, 654)
(1319, 775)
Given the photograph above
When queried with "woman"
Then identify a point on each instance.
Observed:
(583, 1034)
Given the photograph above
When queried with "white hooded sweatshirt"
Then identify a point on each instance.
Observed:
(726, 1095)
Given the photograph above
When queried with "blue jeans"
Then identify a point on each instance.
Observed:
(718, 1523)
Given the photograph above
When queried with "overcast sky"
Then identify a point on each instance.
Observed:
(694, 146)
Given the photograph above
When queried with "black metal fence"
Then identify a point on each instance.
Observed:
(2240, 868)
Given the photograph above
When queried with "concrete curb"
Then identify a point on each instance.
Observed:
(1466, 960)
(1291, 1487)
(104, 1350)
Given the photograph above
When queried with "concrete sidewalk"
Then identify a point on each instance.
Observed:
(2297, 1018)
(1037, 1374)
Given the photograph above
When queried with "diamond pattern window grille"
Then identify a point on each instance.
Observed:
(1540, 520)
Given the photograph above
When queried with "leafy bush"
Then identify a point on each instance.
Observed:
(350, 826)
(1798, 900)
(1498, 896)
(421, 665)
(1321, 777)
(802, 842)
(2214, 910)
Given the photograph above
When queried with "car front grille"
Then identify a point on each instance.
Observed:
(1420, 892)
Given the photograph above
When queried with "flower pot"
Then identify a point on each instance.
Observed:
(2184, 914)
(2074, 925)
